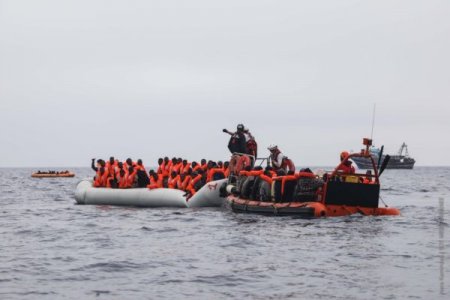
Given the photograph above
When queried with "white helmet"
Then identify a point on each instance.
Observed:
(272, 147)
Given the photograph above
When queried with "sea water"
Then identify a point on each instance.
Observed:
(52, 248)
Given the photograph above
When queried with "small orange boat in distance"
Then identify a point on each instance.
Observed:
(52, 174)
(341, 194)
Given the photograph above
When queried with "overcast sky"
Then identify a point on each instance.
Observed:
(84, 79)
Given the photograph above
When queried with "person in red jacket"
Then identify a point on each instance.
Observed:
(346, 167)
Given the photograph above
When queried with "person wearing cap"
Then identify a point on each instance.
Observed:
(279, 161)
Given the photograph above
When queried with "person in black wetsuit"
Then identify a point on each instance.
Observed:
(238, 142)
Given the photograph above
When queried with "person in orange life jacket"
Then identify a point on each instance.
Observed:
(347, 166)
(172, 180)
(160, 165)
(131, 177)
(184, 166)
(237, 142)
(111, 167)
(122, 177)
(179, 164)
(174, 166)
(167, 164)
(368, 179)
(226, 168)
(215, 172)
(195, 166)
(111, 180)
(101, 178)
(279, 160)
(203, 179)
(189, 171)
(190, 189)
(120, 167)
(155, 180)
(129, 163)
(183, 182)
(203, 164)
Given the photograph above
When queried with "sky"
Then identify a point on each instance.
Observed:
(145, 79)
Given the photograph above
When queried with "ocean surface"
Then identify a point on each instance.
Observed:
(52, 248)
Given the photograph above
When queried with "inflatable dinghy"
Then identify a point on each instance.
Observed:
(207, 196)
(52, 175)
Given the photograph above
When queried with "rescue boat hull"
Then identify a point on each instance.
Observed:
(305, 209)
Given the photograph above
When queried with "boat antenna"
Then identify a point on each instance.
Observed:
(373, 120)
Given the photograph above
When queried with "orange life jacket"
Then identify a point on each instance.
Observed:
(185, 169)
(348, 169)
(226, 171)
(130, 179)
(111, 168)
(242, 162)
(192, 183)
(122, 180)
(182, 185)
(172, 182)
(266, 178)
(155, 184)
(305, 174)
(283, 180)
(212, 172)
(175, 168)
(160, 168)
(100, 180)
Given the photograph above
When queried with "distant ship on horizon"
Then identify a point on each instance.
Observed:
(399, 161)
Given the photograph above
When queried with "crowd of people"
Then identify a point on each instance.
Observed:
(176, 173)
(181, 174)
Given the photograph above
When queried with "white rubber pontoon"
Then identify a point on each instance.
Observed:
(207, 196)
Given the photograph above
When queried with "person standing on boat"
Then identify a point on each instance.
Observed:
(279, 161)
(238, 141)
(346, 167)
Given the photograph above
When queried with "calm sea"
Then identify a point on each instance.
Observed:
(52, 248)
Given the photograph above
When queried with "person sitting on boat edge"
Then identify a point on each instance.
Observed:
(279, 161)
